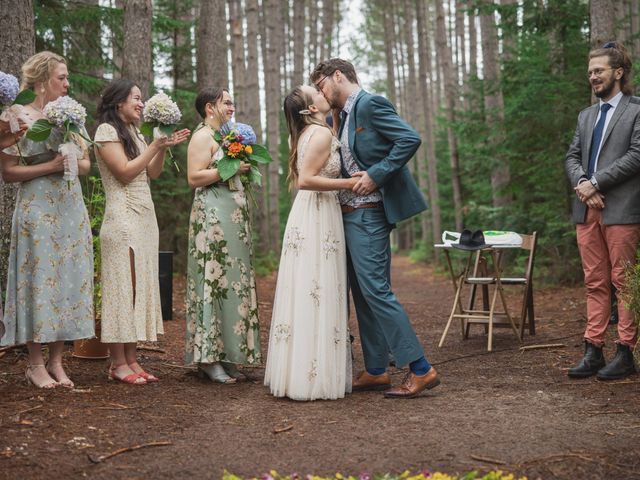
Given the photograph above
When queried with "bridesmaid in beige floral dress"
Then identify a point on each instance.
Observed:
(129, 233)
(222, 308)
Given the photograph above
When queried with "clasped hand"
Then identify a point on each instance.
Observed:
(364, 185)
(588, 195)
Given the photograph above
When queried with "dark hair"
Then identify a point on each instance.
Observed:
(208, 95)
(618, 58)
(295, 102)
(326, 68)
(114, 94)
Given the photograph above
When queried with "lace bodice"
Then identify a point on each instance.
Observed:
(331, 169)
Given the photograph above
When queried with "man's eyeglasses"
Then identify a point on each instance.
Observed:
(597, 72)
(318, 85)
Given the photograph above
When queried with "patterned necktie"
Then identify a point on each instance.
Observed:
(597, 137)
(343, 119)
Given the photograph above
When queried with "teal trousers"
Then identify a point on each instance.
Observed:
(384, 325)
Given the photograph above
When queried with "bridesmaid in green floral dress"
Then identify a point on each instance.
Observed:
(50, 280)
(222, 308)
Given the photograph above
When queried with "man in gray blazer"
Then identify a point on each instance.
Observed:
(603, 166)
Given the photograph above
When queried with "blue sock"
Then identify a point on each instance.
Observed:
(376, 371)
(420, 366)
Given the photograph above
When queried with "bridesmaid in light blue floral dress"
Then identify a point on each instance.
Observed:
(50, 280)
(222, 308)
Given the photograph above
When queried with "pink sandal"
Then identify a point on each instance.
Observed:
(149, 377)
(131, 379)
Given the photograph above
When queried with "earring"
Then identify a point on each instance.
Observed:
(42, 90)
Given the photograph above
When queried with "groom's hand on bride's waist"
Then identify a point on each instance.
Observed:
(365, 185)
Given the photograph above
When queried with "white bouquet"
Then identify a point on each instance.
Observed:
(161, 116)
(69, 116)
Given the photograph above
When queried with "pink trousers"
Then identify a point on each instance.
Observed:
(604, 250)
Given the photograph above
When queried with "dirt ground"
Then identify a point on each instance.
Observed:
(516, 411)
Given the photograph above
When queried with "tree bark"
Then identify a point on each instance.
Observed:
(298, 42)
(313, 33)
(473, 46)
(461, 43)
(183, 47)
(116, 43)
(136, 64)
(444, 58)
(272, 56)
(603, 22)
(622, 21)
(494, 105)
(17, 43)
(389, 42)
(424, 67)
(237, 53)
(328, 22)
(635, 25)
(212, 45)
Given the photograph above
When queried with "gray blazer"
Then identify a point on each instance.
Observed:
(618, 172)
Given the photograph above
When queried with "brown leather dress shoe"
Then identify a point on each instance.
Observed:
(366, 381)
(414, 384)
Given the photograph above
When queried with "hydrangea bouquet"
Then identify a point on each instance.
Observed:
(12, 102)
(161, 116)
(238, 143)
(68, 116)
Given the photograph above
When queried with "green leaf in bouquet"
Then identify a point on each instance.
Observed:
(25, 97)
(228, 167)
(260, 154)
(39, 131)
(167, 129)
(255, 176)
(146, 129)
(217, 136)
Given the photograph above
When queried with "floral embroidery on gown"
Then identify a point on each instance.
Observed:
(222, 306)
(50, 276)
(309, 354)
(129, 223)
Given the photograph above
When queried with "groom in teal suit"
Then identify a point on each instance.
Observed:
(376, 145)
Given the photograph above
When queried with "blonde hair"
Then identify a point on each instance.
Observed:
(39, 67)
(295, 102)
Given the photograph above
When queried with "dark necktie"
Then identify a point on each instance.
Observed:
(597, 137)
(343, 121)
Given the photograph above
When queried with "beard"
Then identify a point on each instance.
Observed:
(607, 88)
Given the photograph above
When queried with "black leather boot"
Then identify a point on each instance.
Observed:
(620, 367)
(592, 362)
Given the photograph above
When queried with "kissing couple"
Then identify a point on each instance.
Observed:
(354, 186)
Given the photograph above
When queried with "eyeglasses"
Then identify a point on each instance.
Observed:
(597, 72)
(319, 84)
(228, 103)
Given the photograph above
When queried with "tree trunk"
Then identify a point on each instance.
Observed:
(444, 58)
(389, 42)
(473, 46)
(603, 22)
(272, 56)
(509, 17)
(17, 43)
(622, 21)
(183, 47)
(494, 105)
(424, 67)
(212, 45)
(328, 21)
(116, 43)
(237, 53)
(136, 64)
(298, 42)
(313, 33)
(635, 26)
(461, 44)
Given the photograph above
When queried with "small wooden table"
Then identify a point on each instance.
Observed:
(474, 274)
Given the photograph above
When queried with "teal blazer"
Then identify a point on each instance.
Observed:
(382, 144)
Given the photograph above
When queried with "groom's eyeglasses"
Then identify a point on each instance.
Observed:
(319, 84)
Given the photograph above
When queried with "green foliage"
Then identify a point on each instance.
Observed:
(94, 199)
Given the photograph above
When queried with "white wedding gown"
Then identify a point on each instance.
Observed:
(309, 354)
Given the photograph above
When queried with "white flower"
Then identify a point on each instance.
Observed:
(201, 241)
(243, 310)
(214, 272)
(223, 282)
(215, 233)
(208, 291)
(236, 216)
(239, 328)
(160, 108)
(65, 109)
(240, 199)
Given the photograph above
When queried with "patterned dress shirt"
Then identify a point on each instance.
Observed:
(348, 197)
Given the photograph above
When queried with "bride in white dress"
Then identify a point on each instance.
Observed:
(309, 354)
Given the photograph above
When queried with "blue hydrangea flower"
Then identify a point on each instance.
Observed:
(9, 87)
(244, 132)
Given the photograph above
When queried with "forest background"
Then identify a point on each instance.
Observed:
(493, 88)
